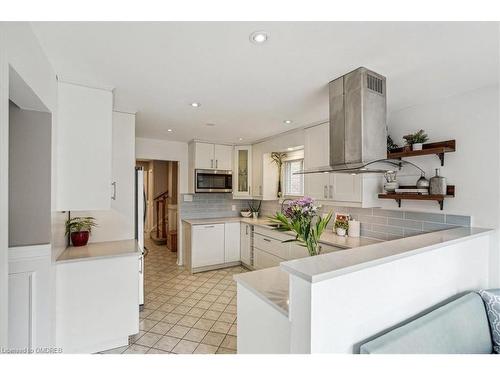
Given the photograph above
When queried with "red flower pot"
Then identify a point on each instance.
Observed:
(79, 238)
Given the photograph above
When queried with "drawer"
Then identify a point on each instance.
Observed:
(273, 233)
(271, 245)
(261, 260)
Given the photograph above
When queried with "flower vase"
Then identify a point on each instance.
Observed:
(314, 249)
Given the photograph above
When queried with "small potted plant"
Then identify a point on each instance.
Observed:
(79, 229)
(416, 140)
(255, 208)
(391, 146)
(341, 227)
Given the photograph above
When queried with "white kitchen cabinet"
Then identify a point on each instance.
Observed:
(207, 245)
(257, 155)
(223, 155)
(246, 244)
(342, 188)
(231, 242)
(242, 174)
(263, 259)
(212, 156)
(84, 144)
(265, 176)
(204, 156)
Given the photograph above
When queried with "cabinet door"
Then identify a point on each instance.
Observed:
(265, 260)
(316, 154)
(204, 156)
(207, 245)
(257, 160)
(84, 136)
(223, 157)
(242, 171)
(245, 240)
(345, 187)
(297, 251)
(269, 188)
(232, 242)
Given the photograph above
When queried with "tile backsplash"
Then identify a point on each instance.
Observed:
(387, 224)
(209, 205)
(375, 222)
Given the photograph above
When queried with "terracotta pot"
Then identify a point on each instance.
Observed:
(79, 238)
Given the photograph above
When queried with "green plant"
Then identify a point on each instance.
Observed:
(278, 158)
(390, 144)
(80, 224)
(254, 207)
(342, 224)
(418, 137)
(301, 217)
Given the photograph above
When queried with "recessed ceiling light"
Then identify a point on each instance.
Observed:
(290, 148)
(195, 104)
(169, 130)
(240, 139)
(259, 37)
(288, 122)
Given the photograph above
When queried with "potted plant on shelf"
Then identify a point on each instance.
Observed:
(255, 208)
(79, 229)
(301, 217)
(278, 158)
(416, 140)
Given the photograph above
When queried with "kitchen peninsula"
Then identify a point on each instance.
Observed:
(332, 302)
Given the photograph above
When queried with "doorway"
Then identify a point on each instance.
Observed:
(161, 198)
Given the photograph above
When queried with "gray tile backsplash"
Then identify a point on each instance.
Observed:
(209, 205)
(388, 224)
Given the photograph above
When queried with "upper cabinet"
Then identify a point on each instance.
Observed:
(342, 188)
(242, 174)
(84, 148)
(212, 156)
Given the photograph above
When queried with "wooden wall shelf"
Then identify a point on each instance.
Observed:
(435, 148)
(398, 197)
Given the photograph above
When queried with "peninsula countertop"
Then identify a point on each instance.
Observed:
(97, 250)
(328, 237)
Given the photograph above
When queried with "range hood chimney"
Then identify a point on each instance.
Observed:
(358, 132)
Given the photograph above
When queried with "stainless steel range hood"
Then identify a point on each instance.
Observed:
(358, 132)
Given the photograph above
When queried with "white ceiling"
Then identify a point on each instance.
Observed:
(247, 90)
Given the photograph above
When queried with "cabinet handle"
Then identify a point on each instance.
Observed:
(325, 191)
(260, 189)
(209, 226)
(141, 270)
(211, 163)
(249, 190)
(267, 239)
(331, 191)
(216, 164)
(114, 191)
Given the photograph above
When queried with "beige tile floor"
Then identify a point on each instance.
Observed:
(184, 313)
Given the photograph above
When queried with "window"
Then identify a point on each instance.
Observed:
(294, 183)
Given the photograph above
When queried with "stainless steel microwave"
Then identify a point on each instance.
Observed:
(213, 181)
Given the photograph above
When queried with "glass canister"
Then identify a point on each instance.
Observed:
(437, 184)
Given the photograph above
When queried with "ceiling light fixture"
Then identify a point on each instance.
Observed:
(169, 130)
(240, 139)
(195, 104)
(288, 122)
(259, 37)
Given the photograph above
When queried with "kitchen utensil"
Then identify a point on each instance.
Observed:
(437, 184)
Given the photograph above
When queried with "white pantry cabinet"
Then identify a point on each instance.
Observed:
(84, 144)
(246, 244)
(242, 174)
(207, 245)
(342, 188)
(231, 242)
(212, 156)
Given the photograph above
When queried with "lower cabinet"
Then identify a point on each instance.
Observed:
(207, 247)
(246, 244)
(263, 259)
(214, 245)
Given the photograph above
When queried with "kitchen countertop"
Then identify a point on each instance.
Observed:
(269, 284)
(327, 266)
(99, 250)
(328, 237)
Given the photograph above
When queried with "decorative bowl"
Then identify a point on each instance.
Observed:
(246, 213)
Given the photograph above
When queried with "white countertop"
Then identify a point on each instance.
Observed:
(322, 267)
(99, 250)
(328, 237)
(269, 284)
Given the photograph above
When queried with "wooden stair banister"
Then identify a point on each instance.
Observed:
(161, 203)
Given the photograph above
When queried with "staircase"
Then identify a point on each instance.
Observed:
(159, 232)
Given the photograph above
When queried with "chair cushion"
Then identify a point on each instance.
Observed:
(491, 300)
(459, 327)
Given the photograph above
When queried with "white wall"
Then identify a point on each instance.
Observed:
(19, 48)
(472, 118)
(155, 149)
